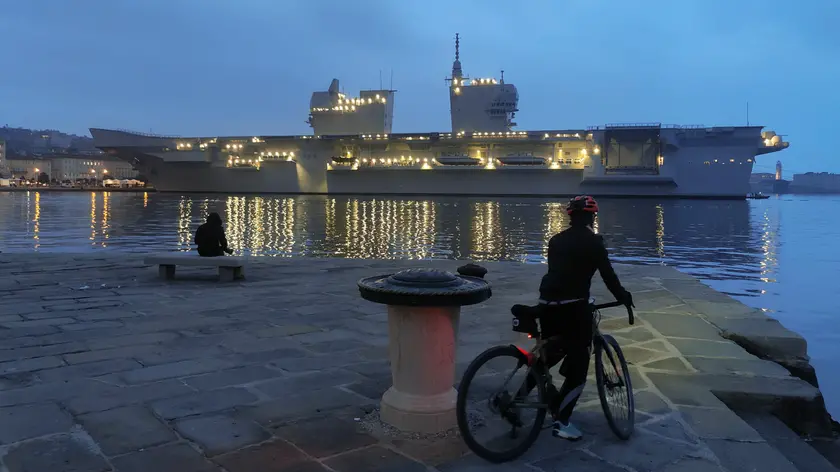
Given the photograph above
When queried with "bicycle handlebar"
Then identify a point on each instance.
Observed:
(615, 304)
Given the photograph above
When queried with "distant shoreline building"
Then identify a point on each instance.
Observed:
(768, 182)
(816, 182)
(4, 167)
(70, 167)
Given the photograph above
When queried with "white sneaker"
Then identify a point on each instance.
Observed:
(567, 431)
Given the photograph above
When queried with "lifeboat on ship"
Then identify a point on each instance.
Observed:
(457, 160)
(343, 160)
(522, 159)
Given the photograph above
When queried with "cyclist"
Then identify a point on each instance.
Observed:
(565, 317)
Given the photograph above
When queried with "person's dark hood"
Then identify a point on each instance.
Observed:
(214, 219)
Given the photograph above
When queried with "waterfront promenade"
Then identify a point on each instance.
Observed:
(105, 367)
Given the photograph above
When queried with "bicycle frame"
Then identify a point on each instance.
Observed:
(536, 355)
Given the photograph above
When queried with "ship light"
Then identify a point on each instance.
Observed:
(457, 90)
(364, 160)
(596, 150)
(749, 160)
(731, 160)
(555, 165)
(426, 166)
(426, 160)
(661, 160)
(353, 108)
(292, 154)
(370, 100)
(382, 160)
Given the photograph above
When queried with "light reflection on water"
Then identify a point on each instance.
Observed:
(772, 254)
(719, 240)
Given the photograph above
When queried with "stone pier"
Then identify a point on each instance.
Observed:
(104, 367)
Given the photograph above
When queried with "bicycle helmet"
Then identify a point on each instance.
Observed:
(583, 203)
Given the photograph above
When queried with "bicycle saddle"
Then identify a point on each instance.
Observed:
(521, 311)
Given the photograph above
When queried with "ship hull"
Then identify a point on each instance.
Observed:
(283, 179)
(708, 164)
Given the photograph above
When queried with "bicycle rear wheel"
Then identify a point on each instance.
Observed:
(614, 388)
(494, 394)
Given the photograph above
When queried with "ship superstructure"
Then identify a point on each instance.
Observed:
(481, 104)
(353, 151)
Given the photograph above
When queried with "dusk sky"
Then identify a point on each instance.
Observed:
(248, 67)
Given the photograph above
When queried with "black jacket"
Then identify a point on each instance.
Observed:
(210, 239)
(573, 257)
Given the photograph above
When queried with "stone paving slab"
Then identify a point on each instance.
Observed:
(103, 366)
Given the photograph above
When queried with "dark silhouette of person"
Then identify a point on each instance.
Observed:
(210, 237)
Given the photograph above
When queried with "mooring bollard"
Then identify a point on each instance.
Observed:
(472, 270)
(424, 307)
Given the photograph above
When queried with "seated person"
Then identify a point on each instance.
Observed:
(210, 237)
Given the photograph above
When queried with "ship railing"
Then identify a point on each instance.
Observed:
(633, 125)
(148, 135)
(685, 126)
(643, 125)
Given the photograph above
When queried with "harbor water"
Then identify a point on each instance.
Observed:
(779, 254)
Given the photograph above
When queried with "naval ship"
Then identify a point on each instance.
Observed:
(352, 151)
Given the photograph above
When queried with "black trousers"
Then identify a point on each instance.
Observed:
(570, 328)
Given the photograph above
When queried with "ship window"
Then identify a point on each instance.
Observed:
(568, 153)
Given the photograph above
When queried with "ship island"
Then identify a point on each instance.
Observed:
(352, 151)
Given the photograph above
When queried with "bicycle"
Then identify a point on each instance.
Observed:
(507, 407)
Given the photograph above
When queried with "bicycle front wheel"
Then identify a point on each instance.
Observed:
(492, 406)
(614, 388)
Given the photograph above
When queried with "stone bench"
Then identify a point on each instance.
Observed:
(230, 268)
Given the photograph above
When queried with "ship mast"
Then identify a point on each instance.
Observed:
(457, 73)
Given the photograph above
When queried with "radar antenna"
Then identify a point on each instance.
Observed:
(456, 66)
(457, 47)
